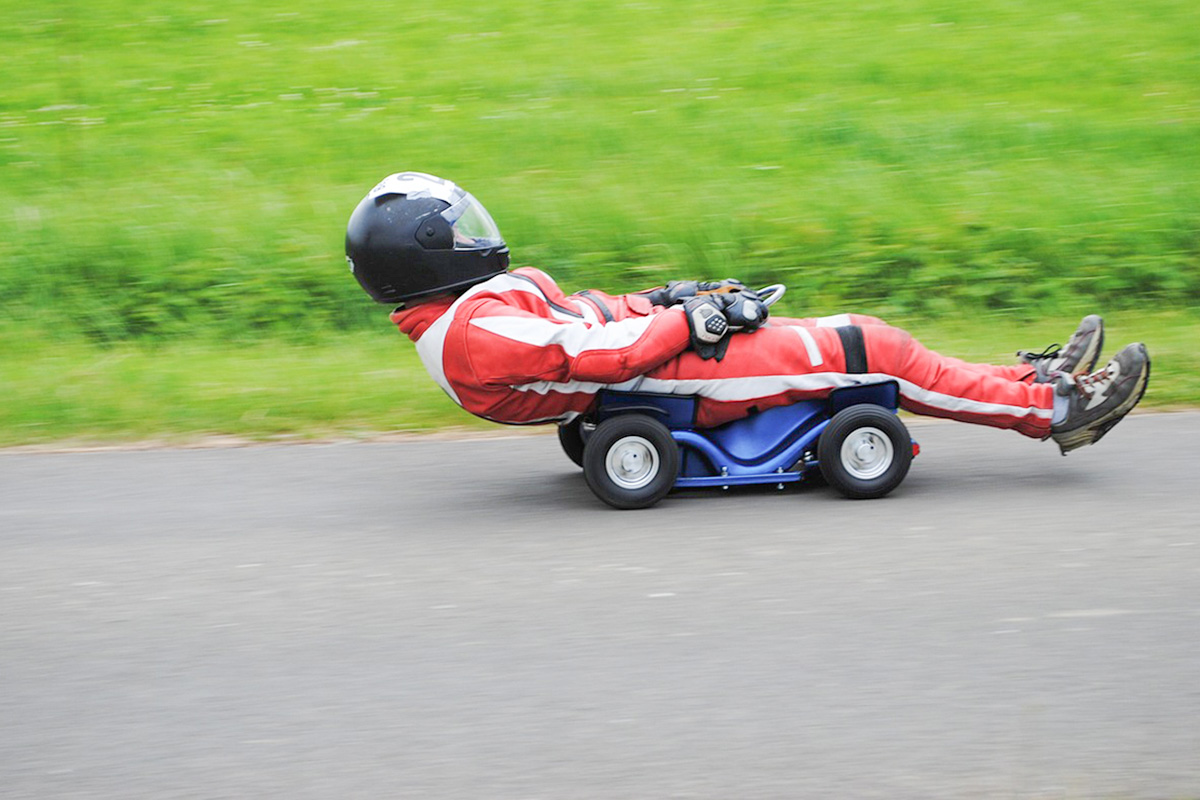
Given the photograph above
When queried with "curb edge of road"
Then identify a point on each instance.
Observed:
(451, 434)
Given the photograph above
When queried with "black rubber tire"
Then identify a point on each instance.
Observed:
(570, 436)
(650, 467)
(865, 424)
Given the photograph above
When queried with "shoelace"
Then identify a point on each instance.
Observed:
(1090, 384)
(1052, 351)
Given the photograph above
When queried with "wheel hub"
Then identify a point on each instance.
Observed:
(632, 462)
(867, 453)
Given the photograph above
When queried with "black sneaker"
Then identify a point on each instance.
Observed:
(1079, 357)
(1098, 401)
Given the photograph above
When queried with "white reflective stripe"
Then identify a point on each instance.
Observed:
(587, 387)
(835, 321)
(962, 405)
(432, 342)
(429, 348)
(733, 390)
(810, 345)
(575, 338)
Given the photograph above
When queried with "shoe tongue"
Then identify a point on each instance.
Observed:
(1063, 382)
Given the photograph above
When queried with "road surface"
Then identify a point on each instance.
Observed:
(463, 619)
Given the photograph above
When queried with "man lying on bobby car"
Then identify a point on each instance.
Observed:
(510, 346)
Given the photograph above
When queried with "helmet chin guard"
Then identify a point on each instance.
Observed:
(416, 235)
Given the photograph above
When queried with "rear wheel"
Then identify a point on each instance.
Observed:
(570, 436)
(865, 451)
(631, 461)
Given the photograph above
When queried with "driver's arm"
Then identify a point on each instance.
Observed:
(508, 346)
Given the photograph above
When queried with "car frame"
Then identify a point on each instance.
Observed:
(635, 447)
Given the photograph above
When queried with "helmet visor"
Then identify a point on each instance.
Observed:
(473, 226)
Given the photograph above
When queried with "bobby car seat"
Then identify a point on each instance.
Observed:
(635, 447)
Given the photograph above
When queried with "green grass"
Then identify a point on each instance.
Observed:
(362, 384)
(350, 385)
(166, 167)
(175, 178)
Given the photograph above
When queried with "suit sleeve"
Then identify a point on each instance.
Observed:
(506, 345)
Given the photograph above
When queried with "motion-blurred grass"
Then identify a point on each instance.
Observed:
(359, 384)
(176, 177)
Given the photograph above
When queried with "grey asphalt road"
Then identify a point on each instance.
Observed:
(462, 619)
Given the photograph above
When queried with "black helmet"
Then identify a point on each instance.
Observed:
(415, 235)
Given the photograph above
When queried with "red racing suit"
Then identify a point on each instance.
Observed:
(515, 349)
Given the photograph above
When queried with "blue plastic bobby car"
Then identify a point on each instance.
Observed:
(635, 447)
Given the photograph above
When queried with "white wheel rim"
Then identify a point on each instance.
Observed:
(632, 462)
(867, 453)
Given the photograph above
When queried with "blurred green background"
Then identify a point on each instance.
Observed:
(176, 180)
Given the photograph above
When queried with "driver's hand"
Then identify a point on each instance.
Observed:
(675, 292)
(713, 317)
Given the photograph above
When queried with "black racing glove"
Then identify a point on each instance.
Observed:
(744, 309)
(727, 285)
(675, 292)
(712, 317)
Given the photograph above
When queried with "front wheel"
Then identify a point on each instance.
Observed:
(865, 451)
(631, 461)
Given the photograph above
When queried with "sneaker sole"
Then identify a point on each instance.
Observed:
(1081, 437)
